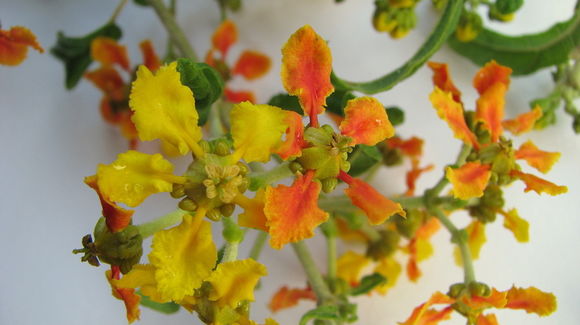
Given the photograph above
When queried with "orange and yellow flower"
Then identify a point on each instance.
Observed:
(14, 44)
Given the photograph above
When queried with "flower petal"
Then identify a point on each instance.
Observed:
(224, 37)
(150, 58)
(109, 81)
(442, 80)
(294, 142)
(257, 130)
(538, 185)
(134, 176)
(366, 121)
(292, 211)
(490, 74)
(475, 240)
(488, 319)
(518, 226)
(452, 112)
(413, 175)
(183, 257)
(469, 180)
(14, 45)
(233, 282)
(108, 52)
(539, 159)
(350, 266)
(286, 298)
(165, 109)
(421, 315)
(496, 299)
(523, 122)
(412, 147)
(377, 207)
(252, 65)
(235, 96)
(116, 217)
(306, 68)
(390, 269)
(129, 297)
(532, 300)
(253, 215)
(490, 110)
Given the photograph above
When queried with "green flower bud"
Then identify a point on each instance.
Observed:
(456, 290)
(329, 184)
(479, 289)
(506, 7)
(409, 225)
(205, 146)
(122, 248)
(296, 167)
(222, 148)
(469, 26)
(385, 246)
(178, 191)
(187, 204)
(227, 209)
(214, 215)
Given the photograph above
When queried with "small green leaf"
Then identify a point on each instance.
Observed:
(330, 312)
(396, 115)
(506, 7)
(286, 102)
(143, 3)
(75, 52)
(205, 83)
(527, 53)
(368, 283)
(166, 308)
(336, 102)
(362, 158)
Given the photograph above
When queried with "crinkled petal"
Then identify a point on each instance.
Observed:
(292, 211)
(257, 130)
(183, 257)
(390, 269)
(116, 217)
(490, 110)
(475, 240)
(442, 80)
(350, 266)
(134, 176)
(142, 276)
(252, 65)
(532, 300)
(496, 299)
(224, 37)
(539, 185)
(14, 45)
(490, 74)
(238, 96)
(488, 319)
(253, 215)
(286, 298)
(366, 121)
(150, 58)
(539, 159)
(517, 225)
(452, 112)
(129, 297)
(234, 282)
(523, 122)
(292, 146)
(421, 314)
(306, 68)
(109, 81)
(165, 109)
(108, 52)
(469, 180)
(412, 147)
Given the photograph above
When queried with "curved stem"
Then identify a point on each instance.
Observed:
(118, 10)
(314, 277)
(174, 30)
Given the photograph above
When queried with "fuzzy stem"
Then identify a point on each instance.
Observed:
(258, 245)
(149, 228)
(174, 30)
(231, 251)
(314, 276)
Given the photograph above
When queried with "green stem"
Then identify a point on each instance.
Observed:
(173, 29)
(258, 245)
(170, 54)
(371, 232)
(149, 228)
(231, 251)
(332, 257)
(261, 179)
(118, 10)
(314, 277)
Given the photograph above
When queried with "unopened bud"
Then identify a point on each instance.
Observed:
(178, 191)
(187, 204)
(470, 25)
(329, 184)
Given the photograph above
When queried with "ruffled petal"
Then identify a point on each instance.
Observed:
(518, 226)
(523, 122)
(109, 81)
(366, 121)
(350, 265)
(292, 146)
(286, 298)
(442, 80)
(539, 185)
(532, 300)
(116, 217)
(129, 297)
(452, 112)
(253, 215)
(108, 52)
(150, 58)
(390, 269)
(488, 319)
(412, 147)
(469, 180)
(490, 74)
(490, 110)
(539, 159)
(496, 299)
(252, 65)
(14, 45)
(234, 282)
(423, 315)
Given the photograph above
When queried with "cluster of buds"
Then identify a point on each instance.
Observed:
(396, 17)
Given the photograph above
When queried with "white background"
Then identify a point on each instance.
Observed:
(53, 138)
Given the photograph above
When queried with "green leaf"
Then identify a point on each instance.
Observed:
(368, 283)
(445, 27)
(286, 102)
(506, 7)
(396, 115)
(336, 102)
(362, 158)
(330, 312)
(166, 308)
(205, 83)
(143, 3)
(524, 54)
(75, 52)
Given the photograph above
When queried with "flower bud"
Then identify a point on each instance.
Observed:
(470, 25)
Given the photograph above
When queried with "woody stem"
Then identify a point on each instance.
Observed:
(174, 30)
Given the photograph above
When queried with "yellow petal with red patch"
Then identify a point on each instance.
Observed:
(142, 276)
(257, 130)
(349, 267)
(452, 112)
(475, 240)
(150, 58)
(306, 68)
(366, 121)
(488, 319)
(252, 65)
(518, 226)
(183, 256)
(469, 180)
(532, 300)
(538, 185)
(116, 217)
(233, 282)
(490, 110)
(376, 206)
(292, 211)
(442, 80)
(423, 316)
(523, 122)
(129, 297)
(134, 176)
(292, 146)
(390, 269)
(165, 109)
(108, 52)
(224, 37)
(539, 159)
(490, 74)
(253, 215)
(496, 299)
(14, 45)
(286, 298)
(235, 96)
(109, 81)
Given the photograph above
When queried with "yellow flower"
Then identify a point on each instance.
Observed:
(134, 176)
(390, 269)
(234, 282)
(350, 266)
(469, 180)
(165, 109)
(517, 225)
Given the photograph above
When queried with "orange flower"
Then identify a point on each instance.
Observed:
(538, 185)
(442, 80)
(539, 159)
(412, 147)
(129, 297)
(523, 122)
(452, 112)
(14, 45)
(292, 146)
(469, 180)
(224, 37)
(366, 121)
(414, 174)
(490, 109)
(306, 68)
(420, 248)
(491, 74)
(239, 96)
(292, 211)
(532, 300)
(251, 65)
(108, 52)
(150, 58)
(286, 298)
(116, 217)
